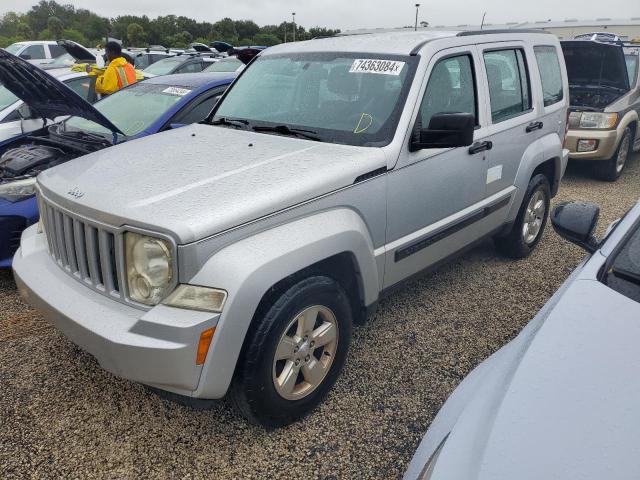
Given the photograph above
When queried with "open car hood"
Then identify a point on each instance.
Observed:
(595, 65)
(45, 95)
(77, 51)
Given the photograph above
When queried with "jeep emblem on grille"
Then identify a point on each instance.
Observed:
(76, 192)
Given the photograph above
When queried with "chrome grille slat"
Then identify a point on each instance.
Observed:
(86, 250)
(60, 239)
(70, 243)
(91, 242)
(78, 238)
(104, 243)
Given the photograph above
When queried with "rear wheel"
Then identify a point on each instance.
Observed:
(610, 170)
(532, 217)
(294, 354)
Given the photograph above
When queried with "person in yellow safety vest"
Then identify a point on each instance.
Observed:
(118, 74)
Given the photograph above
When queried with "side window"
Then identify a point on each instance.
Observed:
(33, 52)
(193, 67)
(550, 74)
(80, 86)
(142, 61)
(202, 109)
(451, 89)
(56, 51)
(508, 79)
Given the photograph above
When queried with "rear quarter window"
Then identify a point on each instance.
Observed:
(550, 74)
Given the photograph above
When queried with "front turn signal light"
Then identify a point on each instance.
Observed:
(203, 345)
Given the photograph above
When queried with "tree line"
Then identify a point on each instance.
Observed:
(49, 20)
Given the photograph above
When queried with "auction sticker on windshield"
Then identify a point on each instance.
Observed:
(382, 67)
(176, 91)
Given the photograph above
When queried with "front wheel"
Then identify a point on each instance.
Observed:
(610, 170)
(532, 217)
(294, 353)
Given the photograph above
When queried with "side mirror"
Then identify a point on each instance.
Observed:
(446, 130)
(576, 222)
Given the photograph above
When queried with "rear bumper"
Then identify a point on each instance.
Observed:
(155, 347)
(607, 144)
(14, 218)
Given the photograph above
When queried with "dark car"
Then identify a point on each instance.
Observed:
(181, 63)
(143, 57)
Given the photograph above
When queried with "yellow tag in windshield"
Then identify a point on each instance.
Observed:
(364, 123)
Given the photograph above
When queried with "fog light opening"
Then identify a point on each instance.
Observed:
(203, 345)
(587, 145)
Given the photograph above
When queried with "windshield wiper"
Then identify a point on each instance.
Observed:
(287, 130)
(231, 122)
(86, 135)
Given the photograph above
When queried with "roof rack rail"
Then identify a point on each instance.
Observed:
(502, 30)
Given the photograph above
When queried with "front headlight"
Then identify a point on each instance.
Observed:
(149, 266)
(18, 190)
(598, 120)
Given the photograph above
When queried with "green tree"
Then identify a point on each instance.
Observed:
(135, 34)
(225, 31)
(266, 39)
(74, 35)
(246, 28)
(55, 27)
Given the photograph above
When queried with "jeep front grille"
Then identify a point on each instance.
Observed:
(85, 250)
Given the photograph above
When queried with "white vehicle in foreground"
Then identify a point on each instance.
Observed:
(561, 400)
(36, 52)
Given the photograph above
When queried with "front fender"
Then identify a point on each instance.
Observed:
(248, 268)
(628, 118)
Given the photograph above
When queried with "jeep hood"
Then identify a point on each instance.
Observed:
(597, 72)
(564, 403)
(200, 180)
(45, 95)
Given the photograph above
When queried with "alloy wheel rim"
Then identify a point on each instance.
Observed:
(623, 152)
(305, 352)
(534, 217)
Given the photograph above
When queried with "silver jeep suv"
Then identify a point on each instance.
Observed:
(232, 257)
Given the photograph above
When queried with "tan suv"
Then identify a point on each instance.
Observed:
(605, 104)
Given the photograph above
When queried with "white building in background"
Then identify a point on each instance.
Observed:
(626, 29)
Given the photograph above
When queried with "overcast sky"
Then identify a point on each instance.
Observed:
(350, 14)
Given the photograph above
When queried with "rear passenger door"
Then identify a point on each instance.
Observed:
(512, 112)
(553, 101)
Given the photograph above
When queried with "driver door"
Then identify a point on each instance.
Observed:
(435, 194)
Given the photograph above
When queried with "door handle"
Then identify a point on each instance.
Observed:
(480, 147)
(534, 126)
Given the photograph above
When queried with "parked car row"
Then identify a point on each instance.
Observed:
(231, 257)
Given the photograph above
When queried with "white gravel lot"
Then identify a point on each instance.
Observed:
(61, 416)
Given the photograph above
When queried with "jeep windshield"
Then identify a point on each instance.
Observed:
(132, 110)
(346, 98)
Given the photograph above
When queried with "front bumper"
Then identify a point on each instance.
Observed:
(607, 144)
(155, 347)
(14, 218)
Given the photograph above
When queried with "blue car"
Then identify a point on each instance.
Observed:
(142, 109)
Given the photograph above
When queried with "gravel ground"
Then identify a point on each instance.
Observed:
(62, 416)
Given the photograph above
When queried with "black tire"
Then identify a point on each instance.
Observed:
(253, 391)
(513, 244)
(609, 170)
